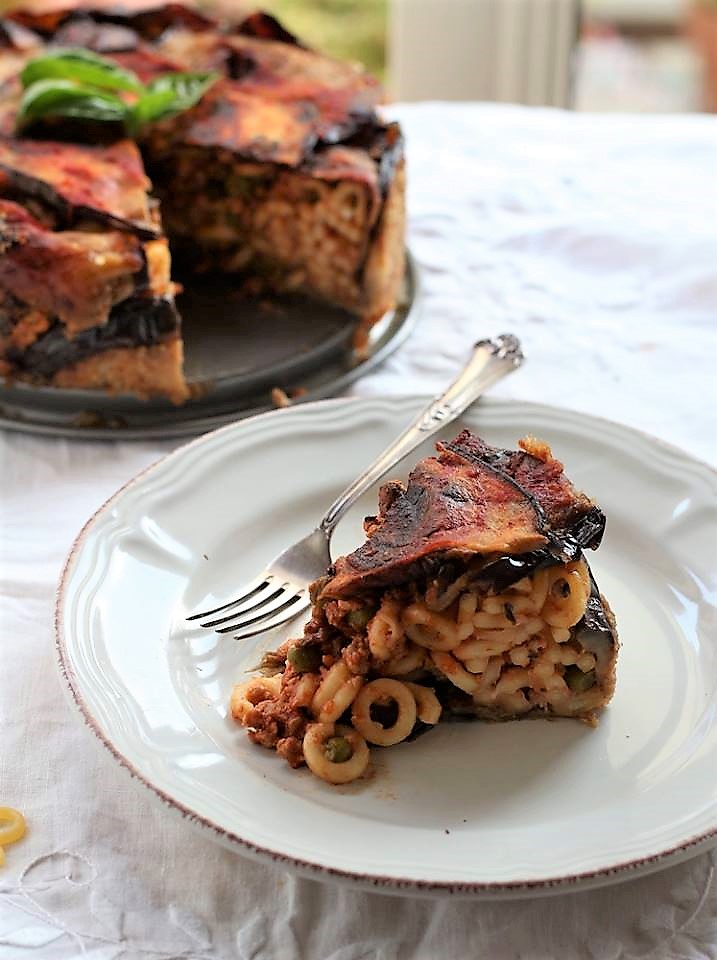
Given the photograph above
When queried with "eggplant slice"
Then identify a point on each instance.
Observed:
(106, 185)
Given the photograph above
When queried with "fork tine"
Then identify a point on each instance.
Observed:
(250, 589)
(286, 596)
(278, 599)
(273, 589)
(296, 606)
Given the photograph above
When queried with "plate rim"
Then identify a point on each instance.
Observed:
(620, 872)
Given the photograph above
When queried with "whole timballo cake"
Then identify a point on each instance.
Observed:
(280, 172)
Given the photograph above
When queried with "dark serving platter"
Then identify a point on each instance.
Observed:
(237, 350)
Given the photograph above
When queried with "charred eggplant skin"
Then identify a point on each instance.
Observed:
(135, 322)
(569, 532)
(574, 522)
(149, 24)
(506, 571)
(513, 511)
(265, 27)
(103, 184)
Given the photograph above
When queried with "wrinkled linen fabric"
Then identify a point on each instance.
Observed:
(594, 238)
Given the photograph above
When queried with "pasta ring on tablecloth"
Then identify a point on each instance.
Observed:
(12, 828)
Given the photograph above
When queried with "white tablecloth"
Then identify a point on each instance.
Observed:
(592, 238)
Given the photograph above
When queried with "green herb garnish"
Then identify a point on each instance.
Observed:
(81, 84)
(62, 98)
(80, 66)
(169, 94)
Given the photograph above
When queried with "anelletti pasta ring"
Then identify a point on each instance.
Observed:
(412, 659)
(12, 828)
(335, 693)
(378, 692)
(452, 669)
(428, 629)
(344, 771)
(428, 707)
(247, 694)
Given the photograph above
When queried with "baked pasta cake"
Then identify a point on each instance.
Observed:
(282, 174)
(86, 298)
(471, 598)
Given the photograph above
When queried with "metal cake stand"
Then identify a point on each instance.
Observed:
(237, 350)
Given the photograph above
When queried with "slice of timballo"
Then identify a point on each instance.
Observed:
(471, 596)
(86, 299)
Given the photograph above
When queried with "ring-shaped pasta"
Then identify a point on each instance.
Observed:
(336, 692)
(385, 633)
(566, 610)
(453, 670)
(513, 679)
(467, 606)
(489, 643)
(476, 664)
(246, 695)
(428, 706)
(539, 585)
(520, 656)
(429, 629)
(505, 602)
(305, 689)
(315, 754)
(377, 692)
(491, 621)
(12, 825)
(413, 659)
(490, 675)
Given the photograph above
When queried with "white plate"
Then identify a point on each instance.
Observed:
(474, 809)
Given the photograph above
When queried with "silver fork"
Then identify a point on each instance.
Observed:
(280, 592)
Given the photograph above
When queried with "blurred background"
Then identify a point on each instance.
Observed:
(630, 55)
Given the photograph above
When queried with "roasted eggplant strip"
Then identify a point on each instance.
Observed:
(76, 276)
(135, 322)
(104, 184)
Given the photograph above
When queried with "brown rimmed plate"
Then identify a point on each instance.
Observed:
(482, 810)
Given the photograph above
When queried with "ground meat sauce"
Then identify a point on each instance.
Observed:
(291, 749)
(357, 656)
(275, 723)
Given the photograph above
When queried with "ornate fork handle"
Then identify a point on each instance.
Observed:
(490, 361)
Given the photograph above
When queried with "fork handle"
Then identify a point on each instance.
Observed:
(490, 361)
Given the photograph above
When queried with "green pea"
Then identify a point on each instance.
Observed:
(358, 619)
(338, 750)
(578, 681)
(305, 659)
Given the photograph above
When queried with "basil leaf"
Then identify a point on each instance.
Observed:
(169, 94)
(82, 66)
(62, 98)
